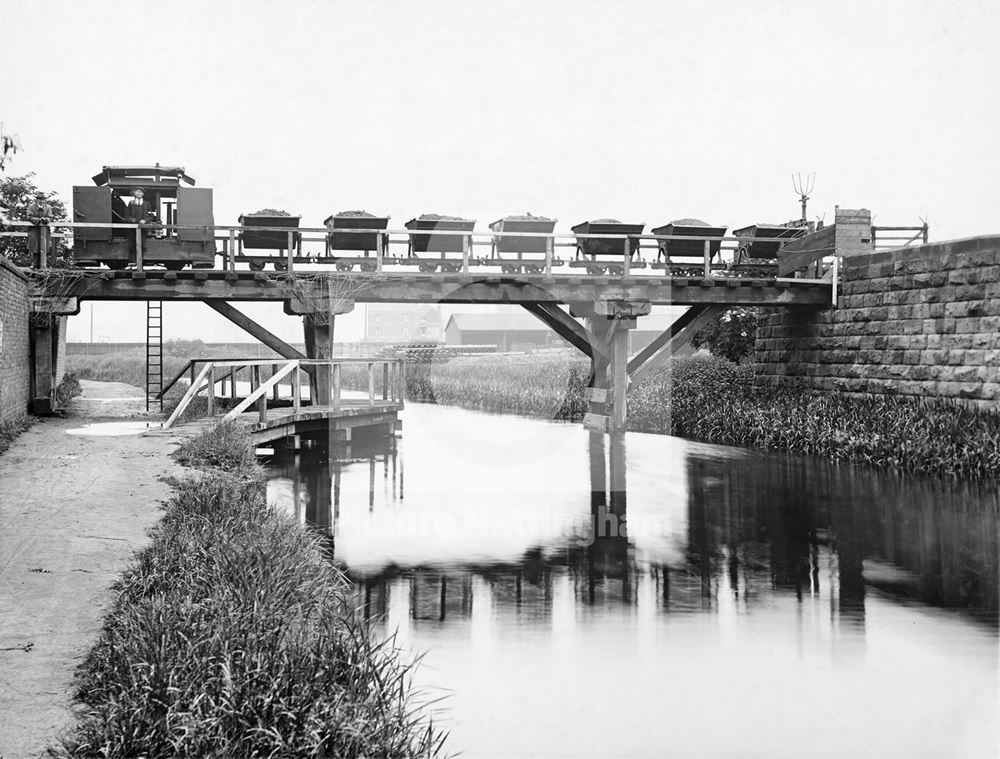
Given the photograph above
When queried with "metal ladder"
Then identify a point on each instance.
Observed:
(154, 353)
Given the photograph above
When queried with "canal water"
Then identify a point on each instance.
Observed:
(575, 595)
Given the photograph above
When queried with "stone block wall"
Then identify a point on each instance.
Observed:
(15, 363)
(920, 321)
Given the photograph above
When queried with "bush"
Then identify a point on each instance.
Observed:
(732, 335)
(68, 389)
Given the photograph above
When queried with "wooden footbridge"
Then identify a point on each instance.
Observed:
(591, 302)
(274, 400)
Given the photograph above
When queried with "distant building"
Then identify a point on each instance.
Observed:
(508, 332)
(403, 322)
(524, 332)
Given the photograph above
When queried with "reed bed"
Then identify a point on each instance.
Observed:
(232, 634)
(712, 399)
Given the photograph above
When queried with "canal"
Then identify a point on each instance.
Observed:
(651, 596)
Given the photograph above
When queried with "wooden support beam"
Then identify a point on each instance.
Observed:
(678, 339)
(248, 325)
(568, 328)
(618, 374)
(663, 338)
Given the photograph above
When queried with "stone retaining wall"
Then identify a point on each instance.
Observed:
(920, 321)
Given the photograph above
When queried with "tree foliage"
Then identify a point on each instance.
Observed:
(8, 147)
(16, 194)
(732, 335)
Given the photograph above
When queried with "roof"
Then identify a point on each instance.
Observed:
(524, 322)
(135, 174)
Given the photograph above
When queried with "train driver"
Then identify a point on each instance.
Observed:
(138, 210)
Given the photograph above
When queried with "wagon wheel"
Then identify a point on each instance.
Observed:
(427, 268)
(368, 266)
(510, 269)
(256, 266)
(534, 269)
(451, 267)
(593, 269)
(344, 266)
(617, 270)
(281, 265)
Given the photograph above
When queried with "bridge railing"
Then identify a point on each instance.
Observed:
(717, 257)
(885, 238)
(322, 379)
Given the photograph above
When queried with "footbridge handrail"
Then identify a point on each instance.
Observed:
(323, 376)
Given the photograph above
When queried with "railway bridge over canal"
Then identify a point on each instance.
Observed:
(591, 307)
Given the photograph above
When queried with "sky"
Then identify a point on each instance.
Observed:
(643, 110)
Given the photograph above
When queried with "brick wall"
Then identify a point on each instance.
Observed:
(919, 321)
(15, 379)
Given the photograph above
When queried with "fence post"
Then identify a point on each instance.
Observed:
(296, 375)
(335, 387)
(138, 248)
(708, 258)
(262, 401)
(275, 394)
(291, 251)
(231, 251)
(211, 390)
(371, 383)
(549, 245)
(385, 381)
(628, 257)
(466, 247)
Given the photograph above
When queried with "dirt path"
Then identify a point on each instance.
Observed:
(72, 510)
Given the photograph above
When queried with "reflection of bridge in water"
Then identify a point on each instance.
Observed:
(761, 529)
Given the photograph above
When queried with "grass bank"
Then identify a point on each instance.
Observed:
(234, 635)
(714, 400)
(10, 430)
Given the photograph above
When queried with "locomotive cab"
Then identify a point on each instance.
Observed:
(173, 200)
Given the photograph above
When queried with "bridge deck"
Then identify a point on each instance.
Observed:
(285, 422)
(472, 287)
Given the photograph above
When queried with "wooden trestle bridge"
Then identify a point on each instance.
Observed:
(591, 307)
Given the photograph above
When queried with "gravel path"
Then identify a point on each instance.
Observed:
(73, 507)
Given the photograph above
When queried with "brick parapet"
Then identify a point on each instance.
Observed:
(15, 377)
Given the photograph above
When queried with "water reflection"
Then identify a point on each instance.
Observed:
(667, 564)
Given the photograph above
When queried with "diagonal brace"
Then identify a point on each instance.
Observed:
(676, 336)
(247, 324)
(569, 329)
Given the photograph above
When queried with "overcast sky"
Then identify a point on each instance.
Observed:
(646, 111)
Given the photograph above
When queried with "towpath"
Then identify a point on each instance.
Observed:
(73, 508)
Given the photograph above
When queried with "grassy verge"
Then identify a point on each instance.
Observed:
(232, 634)
(715, 400)
(10, 430)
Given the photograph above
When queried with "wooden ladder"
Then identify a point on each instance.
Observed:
(154, 353)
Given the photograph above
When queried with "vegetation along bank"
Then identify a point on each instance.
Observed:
(233, 634)
(715, 400)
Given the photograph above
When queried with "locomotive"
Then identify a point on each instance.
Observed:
(172, 199)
